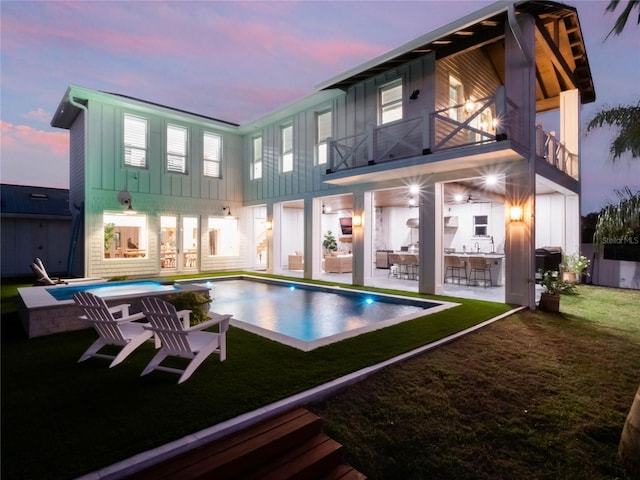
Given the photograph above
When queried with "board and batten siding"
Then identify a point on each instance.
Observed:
(352, 113)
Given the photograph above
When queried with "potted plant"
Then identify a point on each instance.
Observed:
(109, 235)
(573, 266)
(554, 286)
(329, 242)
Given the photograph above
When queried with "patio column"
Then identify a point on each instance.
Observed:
(430, 226)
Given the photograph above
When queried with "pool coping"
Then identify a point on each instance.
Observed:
(156, 455)
(307, 346)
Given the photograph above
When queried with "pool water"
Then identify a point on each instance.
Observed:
(110, 289)
(308, 313)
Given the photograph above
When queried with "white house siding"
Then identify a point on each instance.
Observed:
(77, 191)
(153, 190)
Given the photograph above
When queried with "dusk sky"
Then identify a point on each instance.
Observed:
(237, 61)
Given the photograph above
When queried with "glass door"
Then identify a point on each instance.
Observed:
(179, 246)
(190, 236)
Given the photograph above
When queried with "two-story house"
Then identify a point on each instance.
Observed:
(434, 150)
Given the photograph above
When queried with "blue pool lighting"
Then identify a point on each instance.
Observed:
(368, 301)
(292, 287)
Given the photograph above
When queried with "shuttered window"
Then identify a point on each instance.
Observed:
(324, 131)
(391, 102)
(135, 141)
(287, 148)
(212, 150)
(176, 149)
(257, 157)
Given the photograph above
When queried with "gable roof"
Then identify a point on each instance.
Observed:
(558, 65)
(23, 200)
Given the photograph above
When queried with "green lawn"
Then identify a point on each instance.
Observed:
(61, 419)
(535, 396)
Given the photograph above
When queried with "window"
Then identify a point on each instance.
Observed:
(391, 102)
(287, 148)
(125, 236)
(135, 141)
(176, 149)
(212, 152)
(223, 236)
(257, 157)
(455, 99)
(480, 225)
(323, 121)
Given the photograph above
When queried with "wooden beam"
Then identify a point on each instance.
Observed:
(543, 39)
(547, 104)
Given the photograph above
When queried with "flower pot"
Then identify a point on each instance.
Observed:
(569, 277)
(549, 302)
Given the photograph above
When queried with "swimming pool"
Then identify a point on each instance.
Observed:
(307, 316)
(111, 289)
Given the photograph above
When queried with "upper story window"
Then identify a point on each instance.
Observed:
(135, 141)
(287, 148)
(391, 102)
(455, 99)
(212, 153)
(176, 149)
(257, 157)
(323, 121)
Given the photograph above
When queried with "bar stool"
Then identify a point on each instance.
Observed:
(480, 267)
(456, 269)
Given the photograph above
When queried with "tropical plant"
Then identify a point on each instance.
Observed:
(329, 242)
(620, 220)
(621, 22)
(554, 284)
(109, 235)
(627, 120)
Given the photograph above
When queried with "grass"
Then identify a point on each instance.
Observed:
(61, 419)
(536, 396)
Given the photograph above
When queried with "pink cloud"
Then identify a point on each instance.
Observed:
(24, 137)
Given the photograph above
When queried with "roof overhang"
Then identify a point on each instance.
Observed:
(561, 59)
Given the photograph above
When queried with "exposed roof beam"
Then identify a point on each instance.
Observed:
(551, 49)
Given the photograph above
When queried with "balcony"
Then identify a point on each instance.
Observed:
(474, 123)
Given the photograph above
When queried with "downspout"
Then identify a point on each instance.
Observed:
(79, 220)
(517, 33)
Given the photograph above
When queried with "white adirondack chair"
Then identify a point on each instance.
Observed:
(115, 326)
(178, 339)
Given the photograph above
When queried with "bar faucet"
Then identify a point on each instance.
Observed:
(477, 245)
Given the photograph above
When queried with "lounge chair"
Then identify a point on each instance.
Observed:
(43, 278)
(114, 325)
(178, 339)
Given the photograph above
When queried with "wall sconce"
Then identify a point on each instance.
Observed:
(356, 220)
(414, 95)
(469, 106)
(124, 198)
(268, 224)
(516, 213)
(228, 210)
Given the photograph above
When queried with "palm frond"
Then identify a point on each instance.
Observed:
(621, 22)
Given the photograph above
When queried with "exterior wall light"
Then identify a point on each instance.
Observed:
(356, 220)
(516, 213)
(268, 224)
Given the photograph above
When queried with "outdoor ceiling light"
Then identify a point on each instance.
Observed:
(516, 214)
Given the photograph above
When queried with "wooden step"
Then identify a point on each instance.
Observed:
(312, 459)
(287, 447)
(233, 456)
(344, 472)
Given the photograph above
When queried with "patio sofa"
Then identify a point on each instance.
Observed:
(338, 263)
